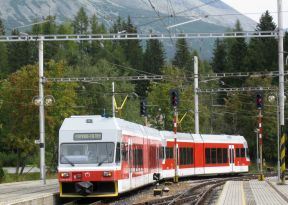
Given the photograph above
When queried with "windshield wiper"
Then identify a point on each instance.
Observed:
(102, 161)
(71, 163)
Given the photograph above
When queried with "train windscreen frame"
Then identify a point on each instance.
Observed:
(87, 153)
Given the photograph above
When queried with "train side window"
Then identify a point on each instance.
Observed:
(207, 155)
(219, 156)
(117, 159)
(247, 153)
(213, 155)
(138, 158)
(191, 155)
(242, 152)
(225, 154)
(124, 151)
(182, 156)
(152, 156)
(238, 153)
(161, 154)
(169, 153)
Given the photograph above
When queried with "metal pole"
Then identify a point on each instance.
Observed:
(41, 114)
(261, 177)
(281, 88)
(175, 144)
(196, 105)
(113, 100)
(257, 150)
(278, 134)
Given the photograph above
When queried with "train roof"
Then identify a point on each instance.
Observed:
(97, 122)
(206, 138)
(212, 138)
(92, 122)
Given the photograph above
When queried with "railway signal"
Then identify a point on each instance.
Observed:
(174, 95)
(143, 104)
(259, 101)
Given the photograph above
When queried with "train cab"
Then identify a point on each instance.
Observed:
(89, 155)
(103, 157)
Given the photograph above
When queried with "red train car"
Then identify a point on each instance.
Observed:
(104, 157)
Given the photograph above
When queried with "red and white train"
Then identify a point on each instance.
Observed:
(104, 157)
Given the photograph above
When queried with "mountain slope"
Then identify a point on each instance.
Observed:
(211, 16)
(21, 12)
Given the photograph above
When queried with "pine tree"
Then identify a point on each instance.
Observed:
(152, 64)
(21, 53)
(3, 53)
(182, 58)
(81, 22)
(219, 60)
(96, 50)
(262, 52)
(237, 52)
(49, 27)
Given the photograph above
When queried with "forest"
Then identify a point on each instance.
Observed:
(220, 112)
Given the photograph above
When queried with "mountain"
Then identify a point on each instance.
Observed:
(155, 15)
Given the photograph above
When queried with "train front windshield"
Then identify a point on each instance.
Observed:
(87, 153)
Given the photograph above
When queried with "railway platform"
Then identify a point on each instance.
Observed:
(254, 192)
(29, 192)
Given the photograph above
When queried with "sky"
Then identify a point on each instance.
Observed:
(259, 7)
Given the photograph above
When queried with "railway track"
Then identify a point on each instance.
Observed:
(197, 194)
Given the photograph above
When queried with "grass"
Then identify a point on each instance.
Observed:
(8, 178)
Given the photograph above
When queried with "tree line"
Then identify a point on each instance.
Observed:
(231, 113)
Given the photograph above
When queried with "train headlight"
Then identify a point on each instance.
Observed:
(107, 174)
(64, 174)
(78, 176)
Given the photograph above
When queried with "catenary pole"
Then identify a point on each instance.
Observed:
(42, 114)
(196, 102)
(281, 90)
(113, 100)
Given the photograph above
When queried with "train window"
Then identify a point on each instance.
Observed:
(138, 157)
(117, 160)
(124, 151)
(152, 156)
(186, 156)
(87, 153)
(225, 154)
(213, 156)
(238, 152)
(162, 152)
(208, 155)
(219, 156)
(242, 152)
(169, 153)
(247, 152)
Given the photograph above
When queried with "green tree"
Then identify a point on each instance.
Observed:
(3, 53)
(262, 52)
(20, 118)
(161, 113)
(245, 119)
(81, 25)
(46, 28)
(153, 62)
(219, 60)
(97, 51)
(182, 58)
(21, 53)
(237, 51)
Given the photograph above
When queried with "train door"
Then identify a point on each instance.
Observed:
(231, 157)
